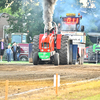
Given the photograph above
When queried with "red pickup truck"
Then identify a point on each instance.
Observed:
(24, 51)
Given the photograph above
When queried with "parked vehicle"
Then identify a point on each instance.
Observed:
(94, 53)
(24, 51)
(20, 38)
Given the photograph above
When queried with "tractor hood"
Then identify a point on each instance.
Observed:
(46, 38)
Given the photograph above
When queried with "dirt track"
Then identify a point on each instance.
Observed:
(26, 77)
(30, 72)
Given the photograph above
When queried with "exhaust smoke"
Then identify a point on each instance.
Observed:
(48, 10)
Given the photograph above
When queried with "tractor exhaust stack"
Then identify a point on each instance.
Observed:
(48, 10)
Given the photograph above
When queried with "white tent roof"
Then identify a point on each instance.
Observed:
(94, 34)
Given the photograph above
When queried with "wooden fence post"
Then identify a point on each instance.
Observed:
(6, 89)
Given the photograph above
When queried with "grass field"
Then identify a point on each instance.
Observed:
(77, 91)
(15, 62)
(91, 64)
(83, 91)
(96, 97)
(27, 62)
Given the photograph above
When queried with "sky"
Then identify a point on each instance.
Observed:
(87, 8)
(85, 3)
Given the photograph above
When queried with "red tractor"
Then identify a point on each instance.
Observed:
(52, 47)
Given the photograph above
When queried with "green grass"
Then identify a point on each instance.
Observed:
(27, 62)
(91, 64)
(96, 97)
(15, 62)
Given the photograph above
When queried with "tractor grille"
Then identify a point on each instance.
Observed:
(42, 45)
(46, 45)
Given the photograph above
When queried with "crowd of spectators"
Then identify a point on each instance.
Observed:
(14, 48)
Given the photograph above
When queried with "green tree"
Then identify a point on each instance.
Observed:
(8, 11)
(15, 5)
(88, 41)
(26, 17)
(2, 4)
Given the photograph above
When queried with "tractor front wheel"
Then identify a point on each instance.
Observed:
(35, 58)
(56, 59)
(35, 47)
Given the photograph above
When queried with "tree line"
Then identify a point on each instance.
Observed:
(26, 16)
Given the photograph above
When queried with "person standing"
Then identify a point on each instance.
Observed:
(18, 51)
(14, 47)
(2, 48)
(8, 51)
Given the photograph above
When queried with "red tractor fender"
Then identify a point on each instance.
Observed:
(58, 41)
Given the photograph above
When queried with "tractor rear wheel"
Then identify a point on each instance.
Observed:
(56, 59)
(64, 51)
(35, 46)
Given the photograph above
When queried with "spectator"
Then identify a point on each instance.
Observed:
(2, 48)
(10, 44)
(78, 58)
(18, 51)
(8, 51)
(14, 47)
(59, 28)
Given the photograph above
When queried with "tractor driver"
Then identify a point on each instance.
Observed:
(53, 30)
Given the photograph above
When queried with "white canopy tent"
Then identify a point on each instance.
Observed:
(94, 34)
